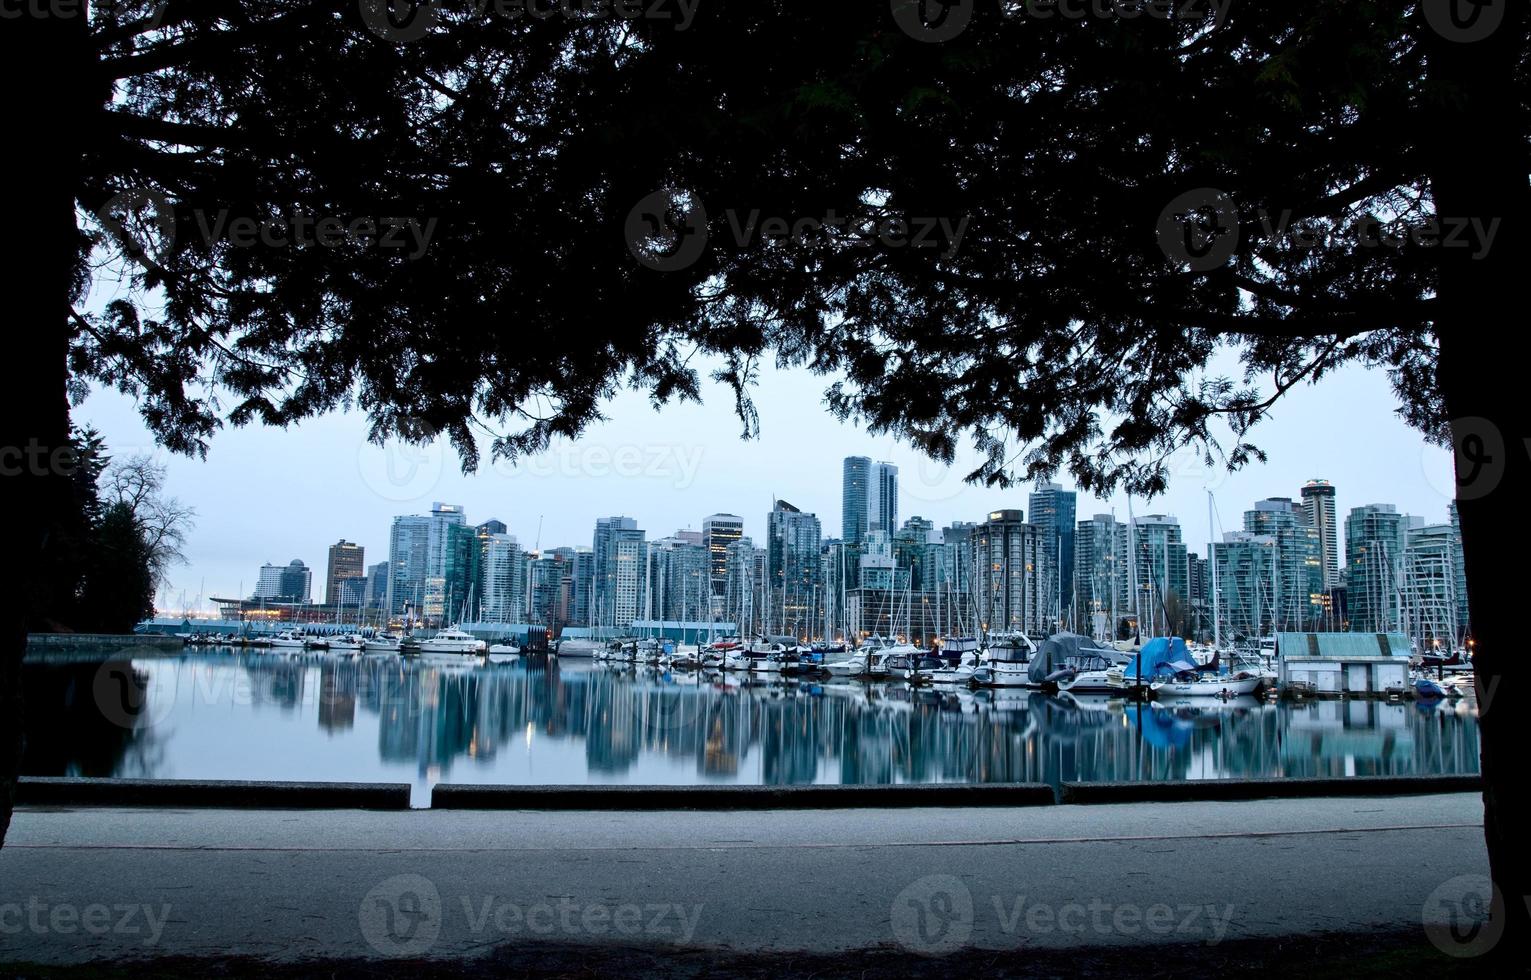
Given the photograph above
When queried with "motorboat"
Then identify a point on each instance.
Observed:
(351, 642)
(290, 639)
(503, 653)
(1006, 662)
(683, 658)
(452, 641)
(384, 642)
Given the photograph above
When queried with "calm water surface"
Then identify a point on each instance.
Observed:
(241, 715)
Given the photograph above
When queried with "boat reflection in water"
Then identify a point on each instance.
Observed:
(257, 716)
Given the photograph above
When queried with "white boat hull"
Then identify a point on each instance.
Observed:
(1221, 687)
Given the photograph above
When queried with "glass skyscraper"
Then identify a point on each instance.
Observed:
(1052, 509)
(868, 499)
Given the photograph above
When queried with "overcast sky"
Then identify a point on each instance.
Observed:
(270, 495)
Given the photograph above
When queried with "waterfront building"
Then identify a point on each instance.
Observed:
(1052, 509)
(680, 578)
(1246, 571)
(868, 499)
(793, 541)
(1318, 513)
(1015, 575)
(1100, 575)
(621, 562)
(292, 582)
(919, 550)
(1298, 599)
(583, 582)
(1429, 595)
(345, 561)
(503, 580)
(1161, 574)
(408, 552)
(377, 585)
(1375, 538)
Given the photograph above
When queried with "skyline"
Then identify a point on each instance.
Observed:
(671, 470)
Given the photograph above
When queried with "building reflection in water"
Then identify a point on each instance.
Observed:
(597, 725)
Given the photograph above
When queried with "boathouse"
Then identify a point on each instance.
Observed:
(1354, 664)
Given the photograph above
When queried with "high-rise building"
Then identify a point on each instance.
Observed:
(680, 578)
(960, 564)
(502, 580)
(1015, 575)
(1298, 598)
(1052, 508)
(1318, 513)
(1245, 575)
(621, 563)
(1160, 572)
(581, 587)
(377, 586)
(793, 541)
(919, 549)
(1100, 575)
(443, 516)
(1375, 538)
(408, 554)
(345, 562)
(1464, 621)
(719, 532)
(869, 499)
(292, 582)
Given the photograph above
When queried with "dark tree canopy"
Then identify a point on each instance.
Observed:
(1059, 335)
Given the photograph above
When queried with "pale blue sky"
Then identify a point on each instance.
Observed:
(274, 495)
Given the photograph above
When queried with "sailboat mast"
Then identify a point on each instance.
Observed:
(1217, 635)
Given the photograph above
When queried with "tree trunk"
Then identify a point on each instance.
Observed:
(1479, 171)
(45, 71)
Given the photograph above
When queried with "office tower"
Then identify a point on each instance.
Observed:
(503, 580)
(1052, 508)
(345, 562)
(1198, 606)
(1318, 513)
(869, 499)
(408, 551)
(1245, 569)
(719, 532)
(292, 582)
(621, 562)
(1160, 573)
(747, 579)
(1430, 605)
(442, 517)
(1100, 575)
(793, 542)
(1298, 597)
(1015, 574)
(1375, 538)
(268, 582)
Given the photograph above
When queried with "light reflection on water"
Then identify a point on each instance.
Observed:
(228, 715)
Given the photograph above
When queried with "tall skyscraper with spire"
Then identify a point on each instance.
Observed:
(1318, 513)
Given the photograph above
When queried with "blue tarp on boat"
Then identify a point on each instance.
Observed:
(1161, 656)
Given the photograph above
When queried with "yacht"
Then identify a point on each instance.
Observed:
(1006, 662)
(453, 641)
(1087, 674)
(382, 643)
(352, 642)
(290, 639)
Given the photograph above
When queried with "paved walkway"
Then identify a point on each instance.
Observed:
(285, 885)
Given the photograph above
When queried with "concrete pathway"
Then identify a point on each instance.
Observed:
(77, 884)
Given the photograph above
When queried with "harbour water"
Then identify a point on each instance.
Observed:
(223, 714)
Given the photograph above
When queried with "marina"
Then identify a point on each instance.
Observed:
(222, 713)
